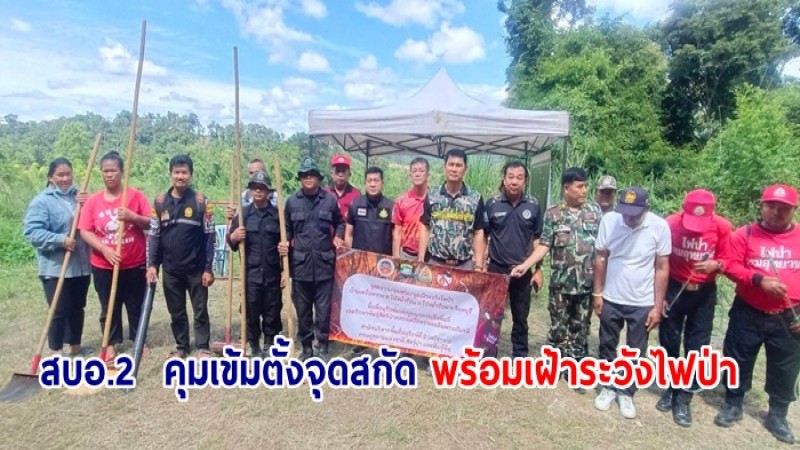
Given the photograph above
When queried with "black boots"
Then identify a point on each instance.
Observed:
(730, 412)
(665, 402)
(682, 409)
(776, 422)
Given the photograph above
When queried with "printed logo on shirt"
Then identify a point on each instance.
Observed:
(526, 214)
(775, 258)
(188, 212)
(361, 212)
(693, 249)
(383, 213)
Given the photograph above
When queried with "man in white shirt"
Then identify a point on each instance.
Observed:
(630, 282)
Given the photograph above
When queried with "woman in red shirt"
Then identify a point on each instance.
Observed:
(98, 225)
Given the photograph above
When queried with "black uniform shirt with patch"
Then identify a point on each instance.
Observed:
(261, 241)
(372, 224)
(512, 229)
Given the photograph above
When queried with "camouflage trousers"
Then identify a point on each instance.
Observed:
(570, 320)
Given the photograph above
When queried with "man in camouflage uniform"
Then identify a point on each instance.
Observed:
(569, 232)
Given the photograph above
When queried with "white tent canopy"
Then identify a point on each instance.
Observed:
(437, 118)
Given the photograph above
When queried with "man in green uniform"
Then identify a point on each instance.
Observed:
(568, 234)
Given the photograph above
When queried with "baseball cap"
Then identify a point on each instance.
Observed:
(262, 179)
(698, 210)
(607, 182)
(632, 201)
(340, 159)
(780, 193)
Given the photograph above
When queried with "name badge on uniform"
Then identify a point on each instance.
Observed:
(187, 212)
(361, 212)
(563, 229)
(383, 213)
(500, 214)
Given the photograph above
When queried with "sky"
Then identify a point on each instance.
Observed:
(72, 57)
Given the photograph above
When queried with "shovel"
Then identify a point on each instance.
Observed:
(23, 385)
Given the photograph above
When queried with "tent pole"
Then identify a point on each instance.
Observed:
(527, 169)
(564, 161)
(367, 166)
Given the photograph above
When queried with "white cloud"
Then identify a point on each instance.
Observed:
(370, 84)
(407, 12)
(313, 62)
(792, 69)
(20, 26)
(314, 8)
(650, 10)
(264, 21)
(454, 45)
(117, 60)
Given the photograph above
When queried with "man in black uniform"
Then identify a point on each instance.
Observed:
(260, 230)
(314, 228)
(182, 239)
(369, 221)
(515, 223)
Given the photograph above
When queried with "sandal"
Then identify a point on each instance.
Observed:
(177, 354)
(204, 353)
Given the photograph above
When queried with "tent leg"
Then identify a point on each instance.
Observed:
(563, 162)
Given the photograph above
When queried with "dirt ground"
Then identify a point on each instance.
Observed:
(151, 417)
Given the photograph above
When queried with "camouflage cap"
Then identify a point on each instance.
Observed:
(260, 178)
(606, 182)
(308, 165)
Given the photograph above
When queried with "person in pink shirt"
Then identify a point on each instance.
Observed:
(765, 265)
(408, 209)
(98, 225)
(700, 245)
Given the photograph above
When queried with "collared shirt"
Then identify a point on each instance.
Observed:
(344, 201)
(261, 243)
(407, 212)
(631, 270)
(372, 224)
(512, 228)
(689, 247)
(182, 237)
(46, 225)
(453, 221)
(311, 223)
(570, 234)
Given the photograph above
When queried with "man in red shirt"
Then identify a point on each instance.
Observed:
(765, 265)
(700, 244)
(340, 183)
(408, 209)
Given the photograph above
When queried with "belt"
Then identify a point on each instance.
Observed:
(449, 262)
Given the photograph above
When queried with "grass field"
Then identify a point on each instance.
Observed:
(425, 417)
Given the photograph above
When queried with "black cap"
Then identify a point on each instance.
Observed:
(260, 178)
(632, 201)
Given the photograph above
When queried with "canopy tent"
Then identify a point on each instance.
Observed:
(438, 118)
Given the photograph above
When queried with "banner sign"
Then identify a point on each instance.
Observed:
(419, 308)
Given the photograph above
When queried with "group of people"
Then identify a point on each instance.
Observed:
(609, 255)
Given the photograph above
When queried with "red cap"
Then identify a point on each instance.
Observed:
(698, 210)
(340, 160)
(780, 193)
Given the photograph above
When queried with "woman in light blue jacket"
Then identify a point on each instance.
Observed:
(46, 227)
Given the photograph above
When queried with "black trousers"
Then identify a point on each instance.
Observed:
(131, 287)
(612, 318)
(264, 304)
(175, 288)
(67, 324)
(748, 330)
(691, 317)
(519, 299)
(312, 300)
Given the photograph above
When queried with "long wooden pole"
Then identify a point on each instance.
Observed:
(67, 255)
(229, 301)
(124, 200)
(288, 306)
(242, 246)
